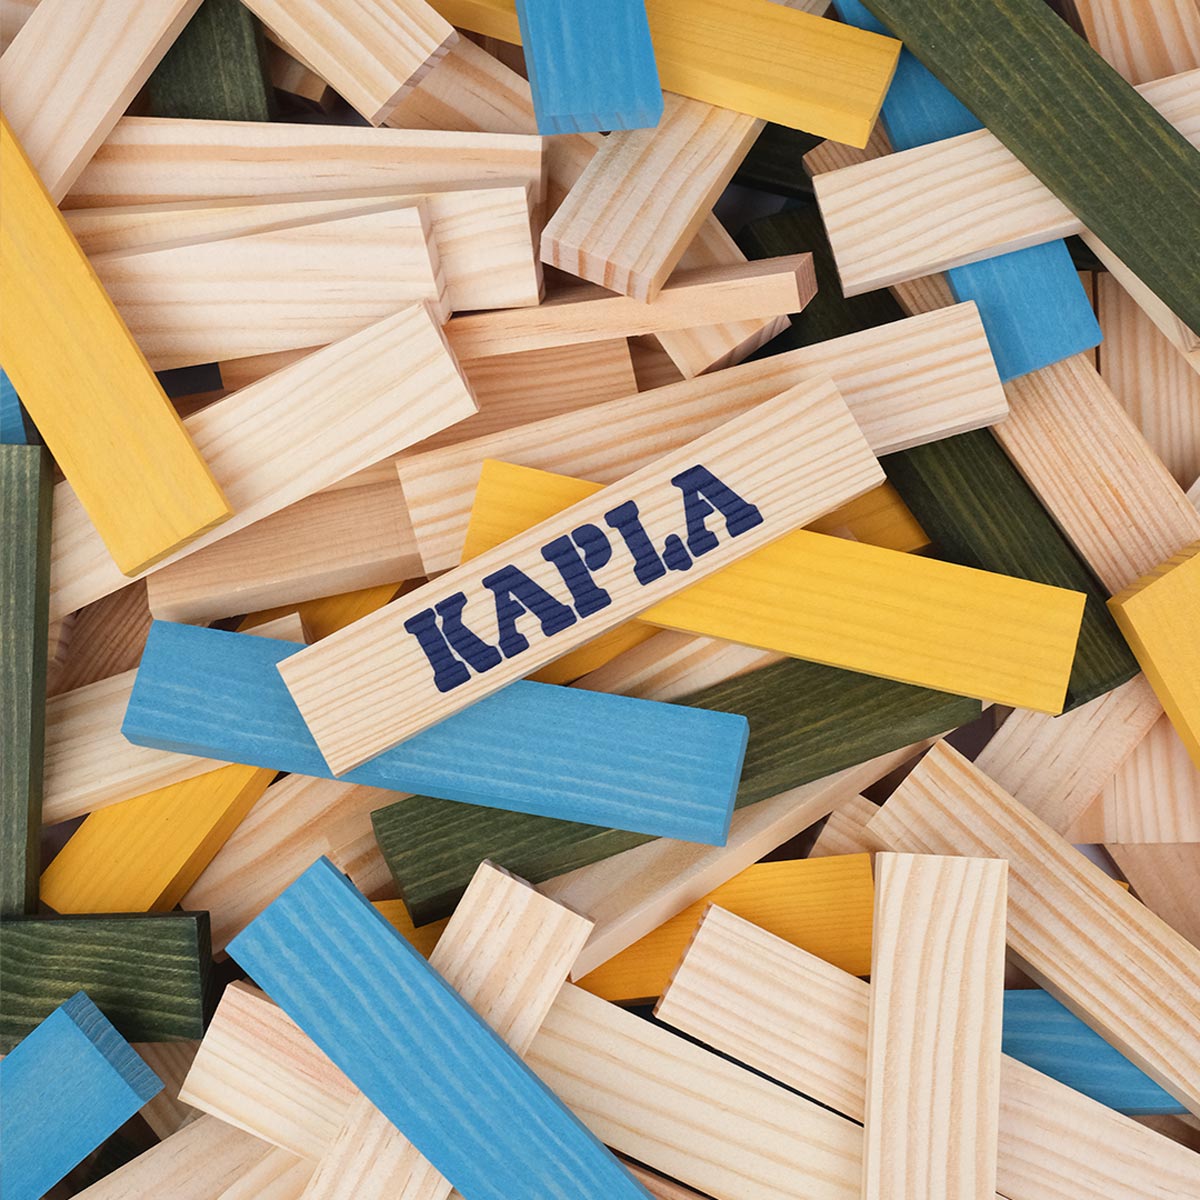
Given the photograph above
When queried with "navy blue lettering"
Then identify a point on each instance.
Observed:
(647, 566)
(516, 594)
(703, 494)
(577, 570)
(441, 642)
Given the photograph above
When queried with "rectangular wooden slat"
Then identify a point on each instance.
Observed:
(170, 1061)
(112, 633)
(1164, 878)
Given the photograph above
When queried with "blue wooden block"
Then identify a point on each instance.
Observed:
(606, 760)
(12, 419)
(1034, 309)
(418, 1051)
(591, 66)
(64, 1089)
(1042, 1033)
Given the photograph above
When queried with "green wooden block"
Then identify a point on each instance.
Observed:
(1073, 121)
(776, 162)
(216, 70)
(980, 512)
(26, 485)
(148, 973)
(806, 721)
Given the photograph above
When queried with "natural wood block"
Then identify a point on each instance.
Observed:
(741, 466)
(289, 74)
(932, 1105)
(144, 486)
(112, 632)
(812, 596)
(1157, 615)
(148, 973)
(878, 372)
(1070, 927)
(845, 830)
(277, 441)
(1164, 878)
(72, 1082)
(170, 1061)
(823, 905)
(1155, 39)
(278, 1175)
(72, 71)
(25, 489)
(13, 15)
(370, 54)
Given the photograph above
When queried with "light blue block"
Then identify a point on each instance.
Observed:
(654, 768)
(1043, 1034)
(591, 65)
(1034, 309)
(418, 1051)
(12, 420)
(64, 1089)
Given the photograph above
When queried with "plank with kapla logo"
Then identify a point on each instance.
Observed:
(571, 578)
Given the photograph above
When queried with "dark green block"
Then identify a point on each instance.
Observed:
(26, 487)
(147, 972)
(1130, 177)
(979, 512)
(776, 162)
(216, 70)
(806, 721)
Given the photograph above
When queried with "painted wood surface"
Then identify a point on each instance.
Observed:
(148, 974)
(143, 485)
(13, 431)
(473, 1086)
(581, 755)
(71, 1083)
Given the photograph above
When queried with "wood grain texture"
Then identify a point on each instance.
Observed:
(96, 55)
(277, 441)
(823, 905)
(143, 484)
(278, 1175)
(1143, 42)
(803, 1022)
(1071, 928)
(370, 54)
(170, 1061)
(878, 372)
(467, 1070)
(796, 457)
(112, 632)
(807, 722)
(327, 614)
(73, 1081)
(13, 15)
(506, 952)
(1163, 877)
(148, 973)
(534, 747)
(25, 507)
(845, 830)
(921, 191)
(932, 1105)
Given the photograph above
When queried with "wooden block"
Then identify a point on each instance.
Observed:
(13, 15)
(923, 189)
(593, 70)
(25, 485)
(808, 722)
(823, 905)
(740, 479)
(400, 383)
(321, 617)
(1094, 472)
(278, 1175)
(143, 161)
(170, 1061)
(506, 952)
(97, 55)
(1060, 904)
(932, 1105)
(205, 691)
(812, 596)
(820, 77)
(770, 288)
(288, 74)
(1164, 879)
(216, 69)
(641, 200)
(148, 973)
(803, 1022)
(112, 632)
(1041, 1033)
(73, 1080)
(877, 372)
(845, 830)
(658, 1186)
(143, 484)
(13, 431)
(351, 1027)
(423, 937)
(1156, 39)
(1157, 615)
(370, 54)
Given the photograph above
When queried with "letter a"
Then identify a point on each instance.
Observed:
(517, 594)
(704, 493)
(439, 644)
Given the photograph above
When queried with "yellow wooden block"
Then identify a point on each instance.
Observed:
(823, 905)
(821, 598)
(88, 387)
(423, 937)
(879, 518)
(1160, 618)
(329, 613)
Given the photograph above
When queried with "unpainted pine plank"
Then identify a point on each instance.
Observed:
(170, 1061)
(1164, 876)
(845, 830)
(111, 635)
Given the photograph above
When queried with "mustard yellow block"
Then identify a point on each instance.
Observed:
(329, 613)
(88, 387)
(752, 56)
(423, 937)
(143, 854)
(823, 905)
(846, 604)
(1160, 618)
(879, 518)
